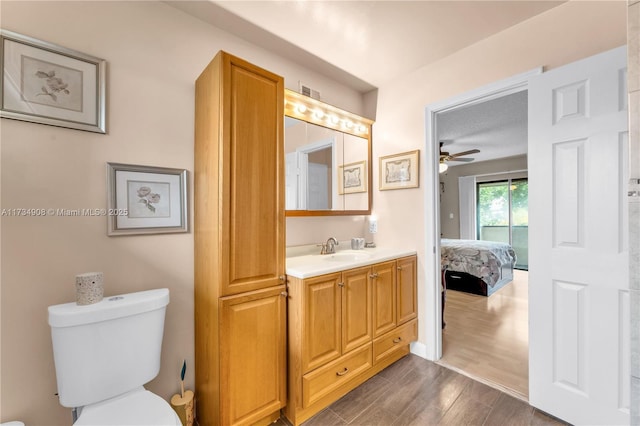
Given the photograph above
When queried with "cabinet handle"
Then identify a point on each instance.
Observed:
(284, 294)
(343, 372)
(340, 284)
(399, 268)
(374, 275)
(397, 340)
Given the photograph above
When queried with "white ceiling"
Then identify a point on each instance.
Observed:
(498, 128)
(364, 44)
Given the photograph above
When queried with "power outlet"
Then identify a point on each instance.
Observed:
(373, 225)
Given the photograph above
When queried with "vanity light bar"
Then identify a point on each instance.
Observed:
(314, 111)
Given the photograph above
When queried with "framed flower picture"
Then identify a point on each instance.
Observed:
(400, 171)
(149, 200)
(50, 84)
(352, 178)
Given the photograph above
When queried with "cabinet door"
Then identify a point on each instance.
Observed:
(356, 308)
(321, 323)
(252, 355)
(407, 298)
(384, 297)
(252, 178)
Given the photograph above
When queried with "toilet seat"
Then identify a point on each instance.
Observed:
(138, 407)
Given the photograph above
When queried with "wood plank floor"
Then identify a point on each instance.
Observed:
(487, 337)
(414, 391)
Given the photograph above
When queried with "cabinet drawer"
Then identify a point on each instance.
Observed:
(394, 340)
(326, 379)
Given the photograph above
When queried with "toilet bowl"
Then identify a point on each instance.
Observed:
(138, 407)
(105, 352)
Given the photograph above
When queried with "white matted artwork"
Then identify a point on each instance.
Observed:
(400, 171)
(352, 178)
(153, 198)
(50, 84)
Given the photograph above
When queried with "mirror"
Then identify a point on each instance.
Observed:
(327, 157)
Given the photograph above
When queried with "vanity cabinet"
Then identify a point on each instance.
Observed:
(345, 327)
(337, 318)
(383, 277)
(395, 303)
(356, 308)
(240, 293)
(320, 322)
(406, 290)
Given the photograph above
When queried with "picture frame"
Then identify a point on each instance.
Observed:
(400, 171)
(49, 84)
(146, 200)
(352, 178)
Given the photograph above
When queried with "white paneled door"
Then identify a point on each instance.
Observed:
(578, 266)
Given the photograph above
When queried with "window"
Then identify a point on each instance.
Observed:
(503, 215)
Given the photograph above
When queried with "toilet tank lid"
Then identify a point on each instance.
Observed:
(122, 305)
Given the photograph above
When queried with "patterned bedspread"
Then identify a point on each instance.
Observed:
(480, 258)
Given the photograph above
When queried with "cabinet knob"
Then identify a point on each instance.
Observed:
(282, 278)
(374, 275)
(399, 268)
(397, 340)
(343, 372)
(284, 294)
(340, 284)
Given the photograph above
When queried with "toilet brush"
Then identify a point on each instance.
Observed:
(184, 404)
(184, 370)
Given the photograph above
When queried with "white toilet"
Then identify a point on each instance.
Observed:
(105, 352)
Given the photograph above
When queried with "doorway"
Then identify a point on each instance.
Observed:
(467, 309)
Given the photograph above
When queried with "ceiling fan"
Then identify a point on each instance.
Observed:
(446, 156)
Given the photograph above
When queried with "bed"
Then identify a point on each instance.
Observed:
(478, 267)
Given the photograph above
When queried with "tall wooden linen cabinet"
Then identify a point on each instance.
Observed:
(240, 294)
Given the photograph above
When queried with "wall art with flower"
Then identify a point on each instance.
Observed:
(146, 200)
(50, 84)
(400, 171)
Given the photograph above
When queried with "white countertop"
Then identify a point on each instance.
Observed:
(312, 265)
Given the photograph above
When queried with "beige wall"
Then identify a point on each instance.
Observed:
(449, 199)
(154, 54)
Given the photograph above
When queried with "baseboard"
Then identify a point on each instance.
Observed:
(419, 349)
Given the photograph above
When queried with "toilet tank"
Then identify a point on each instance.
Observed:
(107, 348)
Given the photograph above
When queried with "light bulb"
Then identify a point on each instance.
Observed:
(301, 108)
(318, 114)
(443, 167)
(334, 119)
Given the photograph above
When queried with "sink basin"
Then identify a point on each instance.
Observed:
(347, 256)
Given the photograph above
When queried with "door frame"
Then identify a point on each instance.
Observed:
(510, 85)
(302, 154)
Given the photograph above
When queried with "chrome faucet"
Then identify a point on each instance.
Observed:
(330, 246)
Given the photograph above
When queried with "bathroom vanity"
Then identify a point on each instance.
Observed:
(350, 315)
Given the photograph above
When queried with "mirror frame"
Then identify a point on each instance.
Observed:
(304, 109)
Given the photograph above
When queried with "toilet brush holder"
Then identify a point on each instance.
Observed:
(185, 406)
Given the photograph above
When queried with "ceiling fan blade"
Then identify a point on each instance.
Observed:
(463, 153)
(464, 160)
